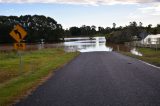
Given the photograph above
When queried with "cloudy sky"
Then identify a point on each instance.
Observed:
(89, 12)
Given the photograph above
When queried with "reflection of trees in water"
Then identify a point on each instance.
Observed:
(121, 47)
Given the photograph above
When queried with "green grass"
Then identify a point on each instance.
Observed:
(37, 65)
(149, 55)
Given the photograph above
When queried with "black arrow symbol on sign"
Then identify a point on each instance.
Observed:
(17, 32)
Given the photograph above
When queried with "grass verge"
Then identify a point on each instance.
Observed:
(149, 55)
(37, 66)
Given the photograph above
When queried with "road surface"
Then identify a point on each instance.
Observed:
(100, 79)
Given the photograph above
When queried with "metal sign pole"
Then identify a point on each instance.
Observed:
(20, 58)
(156, 45)
(118, 48)
(18, 33)
(20, 61)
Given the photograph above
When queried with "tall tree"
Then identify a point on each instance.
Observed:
(140, 24)
(37, 26)
(149, 28)
(114, 25)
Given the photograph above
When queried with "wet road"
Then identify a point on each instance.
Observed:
(100, 79)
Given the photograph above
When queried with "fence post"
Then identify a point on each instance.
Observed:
(156, 45)
(20, 62)
(118, 48)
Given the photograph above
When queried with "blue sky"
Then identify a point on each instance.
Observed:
(77, 13)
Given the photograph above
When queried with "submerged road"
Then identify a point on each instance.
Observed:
(100, 79)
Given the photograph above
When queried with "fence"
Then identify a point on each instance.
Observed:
(150, 44)
(7, 47)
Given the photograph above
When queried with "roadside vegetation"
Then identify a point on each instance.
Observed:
(149, 55)
(131, 32)
(36, 67)
(41, 27)
(37, 26)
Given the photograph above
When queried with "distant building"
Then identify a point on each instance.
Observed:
(151, 39)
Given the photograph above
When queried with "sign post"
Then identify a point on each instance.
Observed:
(18, 33)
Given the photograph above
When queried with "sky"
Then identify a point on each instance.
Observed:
(87, 12)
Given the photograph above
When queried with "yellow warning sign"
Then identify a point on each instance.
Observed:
(18, 33)
(19, 46)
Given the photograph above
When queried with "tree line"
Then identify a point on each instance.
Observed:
(114, 34)
(131, 32)
(37, 26)
(41, 27)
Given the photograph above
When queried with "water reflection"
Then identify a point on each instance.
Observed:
(135, 52)
(123, 48)
(86, 44)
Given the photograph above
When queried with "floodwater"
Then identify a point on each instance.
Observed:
(86, 44)
(135, 52)
(81, 44)
(123, 48)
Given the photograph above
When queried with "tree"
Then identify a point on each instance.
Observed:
(140, 24)
(37, 26)
(101, 30)
(149, 28)
(158, 28)
(75, 31)
(114, 26)
(133, 24)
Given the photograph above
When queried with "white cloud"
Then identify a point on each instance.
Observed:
(88, 2)
(153, 9)
(148, 13)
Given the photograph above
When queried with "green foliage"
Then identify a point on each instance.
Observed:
(115, 34)
(119, 36)
(37, 26)
(83, 31)
(75, 31)
(41, 27)
(149, 55)
(129, 33)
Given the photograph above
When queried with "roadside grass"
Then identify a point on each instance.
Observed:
(36, 67)
(149, 55)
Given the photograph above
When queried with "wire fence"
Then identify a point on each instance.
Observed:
(10, 47)
(150, 44)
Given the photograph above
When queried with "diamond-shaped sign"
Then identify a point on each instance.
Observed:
(18, 33)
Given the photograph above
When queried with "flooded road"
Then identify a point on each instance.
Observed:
(81, 44)
(86, 44)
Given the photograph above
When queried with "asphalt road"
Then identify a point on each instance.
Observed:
(100, 79)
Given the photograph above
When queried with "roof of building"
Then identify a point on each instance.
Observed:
(153, 36)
